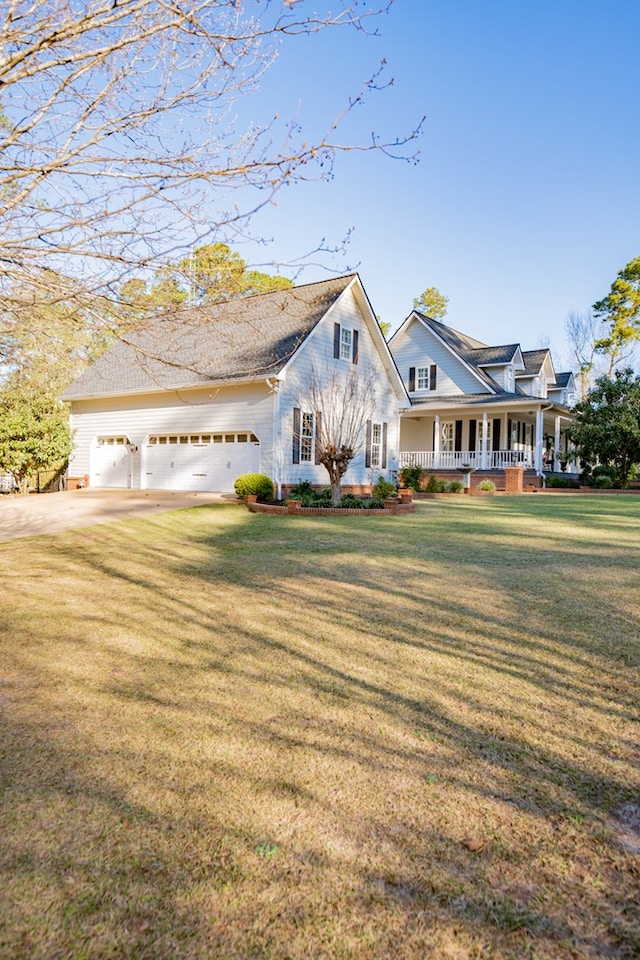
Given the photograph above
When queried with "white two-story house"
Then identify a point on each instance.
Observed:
(477, 405)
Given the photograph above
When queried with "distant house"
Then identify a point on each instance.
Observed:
(483, 406)
(200, 397)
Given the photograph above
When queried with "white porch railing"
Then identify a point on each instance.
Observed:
(453, 459)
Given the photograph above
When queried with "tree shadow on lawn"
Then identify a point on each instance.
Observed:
(332, 720)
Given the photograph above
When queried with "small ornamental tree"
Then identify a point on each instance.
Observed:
(34, 435)
(342, 403)
(607, 428)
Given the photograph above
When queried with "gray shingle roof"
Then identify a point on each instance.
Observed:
(486, 355)
(533, 361)
(562, 379)
(472, 399)
(474, 352)
(243, 339)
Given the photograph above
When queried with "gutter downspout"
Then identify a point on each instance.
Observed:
(275, 438)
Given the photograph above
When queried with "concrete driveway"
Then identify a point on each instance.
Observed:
(35, 514)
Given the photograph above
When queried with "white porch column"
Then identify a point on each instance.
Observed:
(556, 443)
(537, 461)
(436, 442)
(485, 437)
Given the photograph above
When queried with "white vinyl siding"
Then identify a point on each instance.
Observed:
(416, 346)
(317, 355)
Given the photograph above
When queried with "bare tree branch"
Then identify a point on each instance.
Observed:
(120, 144)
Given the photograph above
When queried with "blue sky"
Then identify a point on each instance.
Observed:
(526, 199)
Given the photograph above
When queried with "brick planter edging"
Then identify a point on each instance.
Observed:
(391, 510)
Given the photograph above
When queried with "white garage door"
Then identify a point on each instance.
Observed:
(110, 463)
(209, 461)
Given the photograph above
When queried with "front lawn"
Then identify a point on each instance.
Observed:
(228, 735)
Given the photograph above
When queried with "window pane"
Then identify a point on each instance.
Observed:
(423, 378)
(306, 437)
(376, 443)
(345, 344)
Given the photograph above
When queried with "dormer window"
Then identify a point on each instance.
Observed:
(509, 378)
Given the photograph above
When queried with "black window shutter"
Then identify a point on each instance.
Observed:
(318, 435)
(412, 379)
(496, 434)
(472, 434)
(458, 438)
(296, 435)
(355, 346)
(432, 376)
(367, 451)
(336, 341)
(383, 463)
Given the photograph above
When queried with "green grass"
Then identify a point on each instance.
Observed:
(229, 735)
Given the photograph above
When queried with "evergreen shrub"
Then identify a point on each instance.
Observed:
(383, 489)
(454, 486)
(411, 477)
(434, 485)
(254, 483)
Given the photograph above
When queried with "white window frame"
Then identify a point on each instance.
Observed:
(422, 378)
(307, 436)
(376, 444)
(346, 344)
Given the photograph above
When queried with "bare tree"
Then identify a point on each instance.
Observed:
(581, 332)
(120, 143)
(590, 356)
(342, 403)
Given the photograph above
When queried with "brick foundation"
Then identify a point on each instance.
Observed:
(530, 480)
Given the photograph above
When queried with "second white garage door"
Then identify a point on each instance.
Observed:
(210, 461)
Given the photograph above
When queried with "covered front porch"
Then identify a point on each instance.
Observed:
(520, 434)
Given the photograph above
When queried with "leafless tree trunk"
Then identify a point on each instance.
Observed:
(581, 331)
(342, 402)
(119, 143)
